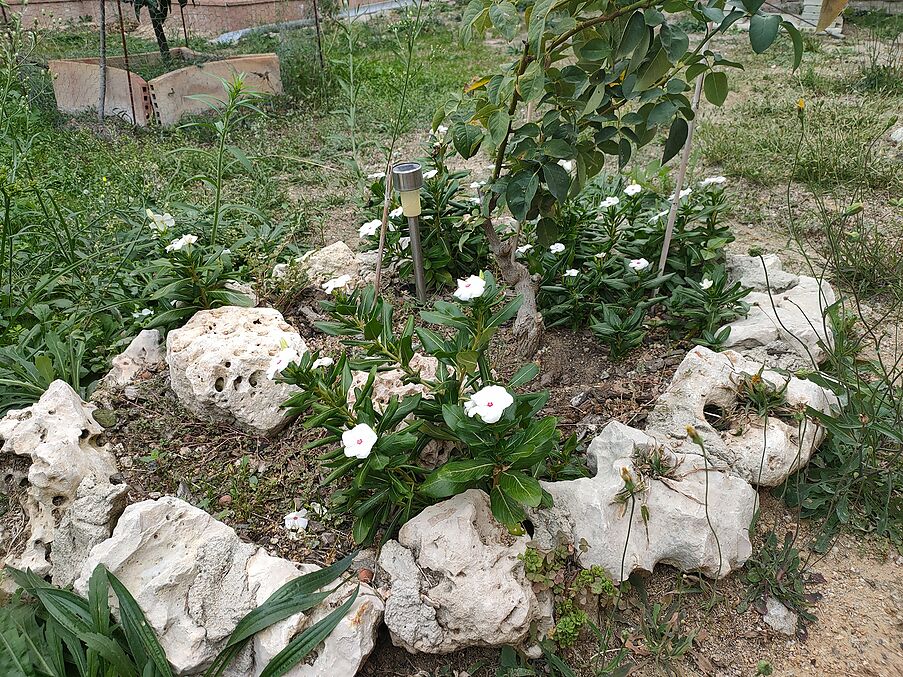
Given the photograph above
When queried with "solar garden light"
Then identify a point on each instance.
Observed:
(407, 178)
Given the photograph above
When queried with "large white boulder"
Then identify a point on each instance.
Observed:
(665, 521)
(347, 647)
(218, 365)
(144, 353)
(195, 579)
(455, 580)
(46, 451)
(786, 326)
(706, 393)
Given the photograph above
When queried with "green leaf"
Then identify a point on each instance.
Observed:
(763, 29)
(111, 652)
(797, 40)
(752, 6)
(521, 487)
(505, 18)
(537, 24)
(558, 180)
(524, 375)
(298, 649)
(138, 633)
(466, 139)
(715, 87)
(654, 71)
(449, 479)
(677, 137)
(520, 192)
(634, 31)
(506, 510)
(675, 42)
(498, 126)
(531, 83)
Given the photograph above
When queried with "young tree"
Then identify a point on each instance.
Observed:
(158, 10)
(605, 77)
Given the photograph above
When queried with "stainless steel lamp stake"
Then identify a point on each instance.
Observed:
(407, 178)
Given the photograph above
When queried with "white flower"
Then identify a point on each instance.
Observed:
(375, 175)
(143, 313)
(474, 200)
(430, 174)
(322, 362)
(489, 402)
(295, 522)
(571, 272)
(477, 184)
(227, 251)
(567, 165)
(160, 222)
(556, 248)
(359, 441)
(600, 255)
(440, 130)
(633, 189)
(661, 214)
(684, 193)
(404, 242)
(395, 213)
(280, 269)
(713, 180)
(471, 288)
(638, 264)
(184, 241)
(609, 202)
(336, 283)
(369, 229)
(317, 509)
(524, 248)
(281, 360)
(706, 283)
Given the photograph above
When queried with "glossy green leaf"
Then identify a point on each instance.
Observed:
(763, 29)
(715, 87)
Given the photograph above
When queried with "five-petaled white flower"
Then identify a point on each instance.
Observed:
(477, 184)
(706, 283)
(571, 272)
(359, 441)
(369, 229)
(489, 403)
(524, 248)
(182, 242)
(556, 248)
(295, 522)
(471, 288)
(633, 189)
(280, 269)
(281, 360)
(160, 222)
(322, 362)
(713, 180)
(600, 255)
(638, 264)
(567, 165)
(335, 283)
(684, 193)
(376, 175)
(404, 242)
(430, 174)
(395, 213)
(609, 202)
(144, 312)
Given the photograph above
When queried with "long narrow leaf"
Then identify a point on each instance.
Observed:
(138, 633)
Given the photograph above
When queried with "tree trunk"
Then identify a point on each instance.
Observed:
(102, 77)
(162, 44)
(528, 325)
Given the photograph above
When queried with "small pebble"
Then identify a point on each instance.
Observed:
(225, 499)
(365, 575)
(154, 495)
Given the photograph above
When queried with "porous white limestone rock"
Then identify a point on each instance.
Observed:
(455, 580)
(667, 519)
(144, 353)
(786, 326)
(218, 365)
(47, 450)
(195, 579)
(707, 392)
(390, 383)
(321, 265)
(345, 650)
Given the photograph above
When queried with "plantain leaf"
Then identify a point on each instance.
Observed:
(138, 634)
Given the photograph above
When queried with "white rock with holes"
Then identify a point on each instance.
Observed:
(455, 580)
(218, 365)
(704, 393)
(47, 450)
(667, 520)
(391, 383)
(144, 353)
(786, 326)
(321, 265)
(195, 579)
